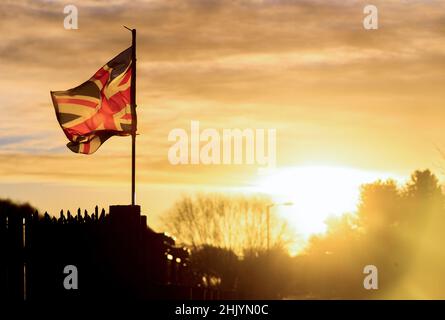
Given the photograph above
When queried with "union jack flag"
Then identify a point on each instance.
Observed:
(99, 108)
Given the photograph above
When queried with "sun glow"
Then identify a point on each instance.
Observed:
(316, 193)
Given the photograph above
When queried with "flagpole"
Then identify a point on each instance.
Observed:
(134, 117)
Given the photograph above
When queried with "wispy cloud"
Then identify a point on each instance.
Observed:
(305, 67)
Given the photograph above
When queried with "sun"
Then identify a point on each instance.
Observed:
(316, 192)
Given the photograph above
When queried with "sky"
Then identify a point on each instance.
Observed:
(338, 96)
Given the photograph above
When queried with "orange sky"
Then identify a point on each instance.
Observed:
(337, 95)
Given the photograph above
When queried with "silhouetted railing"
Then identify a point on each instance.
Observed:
(117, 256)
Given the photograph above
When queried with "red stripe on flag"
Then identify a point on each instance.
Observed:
(77, 101)
(86, 148)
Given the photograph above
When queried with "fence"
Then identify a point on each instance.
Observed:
(117, 256)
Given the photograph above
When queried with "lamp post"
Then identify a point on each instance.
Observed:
(268, 218)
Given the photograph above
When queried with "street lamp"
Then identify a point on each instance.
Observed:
(268, 218)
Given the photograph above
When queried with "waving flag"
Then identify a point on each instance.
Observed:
(99, 108)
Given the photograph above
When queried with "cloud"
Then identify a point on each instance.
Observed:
(305, 67)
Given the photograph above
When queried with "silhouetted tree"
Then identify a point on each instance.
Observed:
(7, 205)
(231, 222)
(266, 274)
(380, 205)
(397, 229)
(216, 264)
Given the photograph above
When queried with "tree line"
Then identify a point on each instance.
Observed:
(397, 228)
